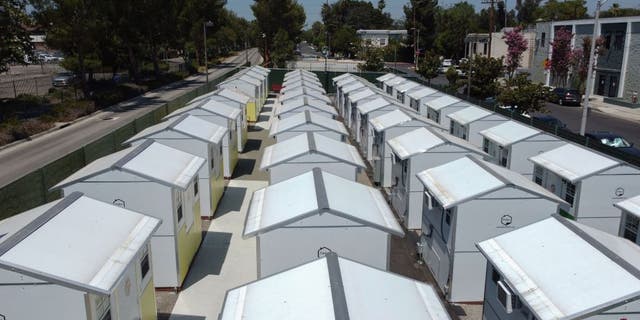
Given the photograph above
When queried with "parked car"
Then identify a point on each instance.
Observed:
(64, 79)
(614, 140)
(565, 96)
(446, 64)
(550, 121)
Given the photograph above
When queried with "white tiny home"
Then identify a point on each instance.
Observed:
(309, 150)
(418, 99)
(560, 269)
(381, 79)
(302, 92)
(355, 85)
(304, 78)
(161, 182)
(341, 85)
(302, 84)
(261, 75)
(413, 152)
(467, 123)
(353, 100)
(239, 100)
(298, 73)
(370, 109)
(303, 122)
(630, 219)
(467, 201)
(439, 108)
(305, 103)
(222, 115)
(510, 144)
(77, 258)
(199, 137)
(591, 183)
(333, 288)
(401, 90)
(251, 87)
(329, 214)
(382, 129)
(389, 84)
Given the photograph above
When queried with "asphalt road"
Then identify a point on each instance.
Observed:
(21, 159)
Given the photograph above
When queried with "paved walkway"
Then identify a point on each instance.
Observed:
(614, 110)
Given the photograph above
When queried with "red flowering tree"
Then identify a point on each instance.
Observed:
(580, 60)
(516, 45)
(561, 56)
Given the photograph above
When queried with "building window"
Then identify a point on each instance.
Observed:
(144, 266)
(405, 171)
(631, 224)
(389, 90)
(495, 276)
(484, 48)
(504, 159)
(543, 39)
(383, 42)
(569, 191)
(179, 204)
(180, 212)
(195, 187)
(607, 41)
(485, 145)
(618, 43)
(538, 172)
(447, 216)
(451, 126)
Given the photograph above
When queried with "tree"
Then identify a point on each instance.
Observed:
(453, 25)
(282, 49)
(429, 66)
(565, 10)
(527, 96)
(561, 56)
(15, 43)
(484, 76)
(373, 60)
(423, 13)
(454, 79)
(616, 11)
(527, 11)
(579, 60)
(516, 45)
(275, 15)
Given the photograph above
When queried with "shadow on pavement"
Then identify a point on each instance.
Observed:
(210, 257)
(252, 145)
(232, 201)
(166, 316)
(244, 168)
(263, 118)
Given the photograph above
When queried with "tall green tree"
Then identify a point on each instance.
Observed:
(484, 76)
(429, 66)
(616, 11)
(527, 11)
(420, 18)
(275, 15)
(15, 43)
(373, 60)
(453, 24)
(563, 10)
(529, 97)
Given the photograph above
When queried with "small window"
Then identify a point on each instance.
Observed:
(485, 145)
(607, 41)
(506, 297)
(180, 212)
(618, 43)
(195, 187)
(447, 216)
(543, 39)
(569, 191)
(484, 49)
(538, 172)
(495, 276)
(144, 266)
(435, 203)
(405, 171)
(631, 224)
(451, 127)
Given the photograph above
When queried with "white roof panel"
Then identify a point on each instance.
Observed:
(79, 242)
(233, 94)
(373, 104)
(304, 84)
(304, 101)
(303, 91)
(470, 114)
(458, 181)
(423, 92)
(362, 94)
(330, 286)
(631, 205)
(407, 86)
(187, 124)
(352, 87)
(508, 133)
(551, 265)
(389, 120)
(441, 102)
(347, 81)
(243, 78)
(385, 77)
(273, 207)
(562, 161)
(282, 125)
(413, 142)
(394, 81)
(340, 77)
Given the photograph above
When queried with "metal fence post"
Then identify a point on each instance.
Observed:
(36, 83)
(15, 93)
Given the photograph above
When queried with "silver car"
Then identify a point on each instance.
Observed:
(64, 79)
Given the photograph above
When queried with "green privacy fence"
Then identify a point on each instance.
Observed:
(32, 190)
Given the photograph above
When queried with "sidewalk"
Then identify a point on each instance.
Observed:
(619, 112)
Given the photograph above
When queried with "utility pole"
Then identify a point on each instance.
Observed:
(491, 22)
(206, 63)
(592, 53)
(415, 38)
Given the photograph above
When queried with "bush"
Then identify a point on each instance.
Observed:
(29, 127)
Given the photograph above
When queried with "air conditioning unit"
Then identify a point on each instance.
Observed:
(506, 297)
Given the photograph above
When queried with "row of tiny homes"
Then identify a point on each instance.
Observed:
(253, 82)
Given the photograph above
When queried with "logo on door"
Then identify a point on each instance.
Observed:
(619, 192)
(506, 220)
(323, 251)
(119, 202)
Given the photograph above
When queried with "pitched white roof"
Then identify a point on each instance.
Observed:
(318, 192)
(631, 205)
(177, 168)
(421, 93)
(424, 139)
(307, 143)
(441, 102)
(394, 81)
(385, 77)
(564, 270)
(282, 125)
(333, 288)
(301, 77)
(468, 177)
(573, 163)
(340, 77)
(304, 91)
(374, 104)
(260, 69)
(186, 124)
(299, 72)
(362, 94)
(352, 86)
(215, 107)
(509, 132)
(389, 120)
(243, 78)
(76, 242)
(233, 95)
(469, 114)
(294, 104)
(407, 86)
(303, 83)
(347, 81)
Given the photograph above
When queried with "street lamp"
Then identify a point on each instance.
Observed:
(206, 64)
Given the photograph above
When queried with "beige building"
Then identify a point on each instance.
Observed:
(477, 44)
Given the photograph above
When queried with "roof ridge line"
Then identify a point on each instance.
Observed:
(321, 190)
(340, 307)
(133, 153)
(312, 142)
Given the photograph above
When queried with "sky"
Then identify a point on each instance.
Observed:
(312, 7)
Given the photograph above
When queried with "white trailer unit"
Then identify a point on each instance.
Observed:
(591, 183)
(302, 104)
(199, 137)
(384, 128)
(418, 99)
(333, 288)
(368, 110)
(302, 92)
(511, 144)
(413, 152)
(356, 98)
(341, 86)
(401, 91)
(467, 201)
(222, 115)
(303, 122)
(389, 84)
(251, 87)
(261, 75)
(327, 214)
(294, 85)
(159, 181)
(309, 150)
(467, 123)
(346, 90)
(238, 100)
(312, 80)
(630, 219)
(439, 108)
(383, 78)
(560, 269)
(300, 73)
(77, 258)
